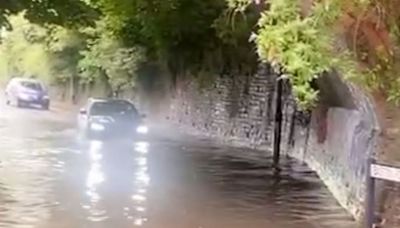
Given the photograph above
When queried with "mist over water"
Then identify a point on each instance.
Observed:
(49, 177)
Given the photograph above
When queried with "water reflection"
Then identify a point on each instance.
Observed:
(157, 184)
(27, 171)
(142, 147)
(94, 178)
(111, 165)
(142, 182)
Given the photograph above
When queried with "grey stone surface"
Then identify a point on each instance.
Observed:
(240, 111)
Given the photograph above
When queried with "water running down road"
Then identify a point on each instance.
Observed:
(49, 178)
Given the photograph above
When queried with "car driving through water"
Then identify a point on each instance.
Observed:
(110, 118)
(23, 92)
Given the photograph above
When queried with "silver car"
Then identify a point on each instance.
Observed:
(25, 92)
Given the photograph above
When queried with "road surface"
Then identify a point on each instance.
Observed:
(50, 178)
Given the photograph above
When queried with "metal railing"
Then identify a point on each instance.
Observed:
(377, 171)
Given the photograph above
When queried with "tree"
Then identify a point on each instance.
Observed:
(357, 38)
(182, 34)
(61, 12)
(51, 53)
(198, 38)
(23, 51)
(107, 58)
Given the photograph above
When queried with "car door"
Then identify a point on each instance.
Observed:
(8, 88)
(11, 90)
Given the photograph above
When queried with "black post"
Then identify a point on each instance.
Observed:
(278, 123)
(291, 140)
(370, 196)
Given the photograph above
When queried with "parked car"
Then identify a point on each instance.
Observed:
(107, 118)
(24, 92)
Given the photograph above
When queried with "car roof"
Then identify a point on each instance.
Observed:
(95, 100)
(19, 79)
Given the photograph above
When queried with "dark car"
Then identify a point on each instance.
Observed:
(109, 118)
(24, 92)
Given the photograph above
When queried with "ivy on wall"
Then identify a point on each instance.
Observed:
(307, 38)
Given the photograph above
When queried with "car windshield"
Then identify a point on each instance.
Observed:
(32, 85)
(113, 108)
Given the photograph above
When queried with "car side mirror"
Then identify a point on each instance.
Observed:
(83, 111)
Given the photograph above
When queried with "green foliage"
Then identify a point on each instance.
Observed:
(384, 77)
(50, 53)
(107, 58)
(297, 44)
(394, 92)
(61, 12)
(302, 46)
(22, 52)
(64, 46)
(184, 35)
(59, 55)
(189, 37)
(239, 5)
(233, 29)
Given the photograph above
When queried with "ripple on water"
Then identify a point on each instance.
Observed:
(157, 185)
(28, 174)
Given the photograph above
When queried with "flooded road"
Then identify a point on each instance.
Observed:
(49, 178)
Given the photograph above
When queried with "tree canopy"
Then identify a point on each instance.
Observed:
(111, 40)
(183, 33)
(357, 38)
(60, 12)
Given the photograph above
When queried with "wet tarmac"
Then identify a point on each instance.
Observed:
(50, 178)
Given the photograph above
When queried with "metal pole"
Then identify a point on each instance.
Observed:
(370, 196)
(291, 141)
(72, 88)
(278, 123)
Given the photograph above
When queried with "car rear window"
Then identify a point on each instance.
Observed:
(113, 108)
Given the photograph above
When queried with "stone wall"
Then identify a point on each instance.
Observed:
(234, 110)
(334, 140)
(340, 159)
(351, 132)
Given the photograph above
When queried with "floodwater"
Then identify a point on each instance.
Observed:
(49, 178)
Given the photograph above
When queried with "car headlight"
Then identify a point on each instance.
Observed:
(97, 127)
(142, 129)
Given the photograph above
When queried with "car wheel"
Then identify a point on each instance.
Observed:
(20, 103)
(6, 96)
(13, 101)
(46, 106)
